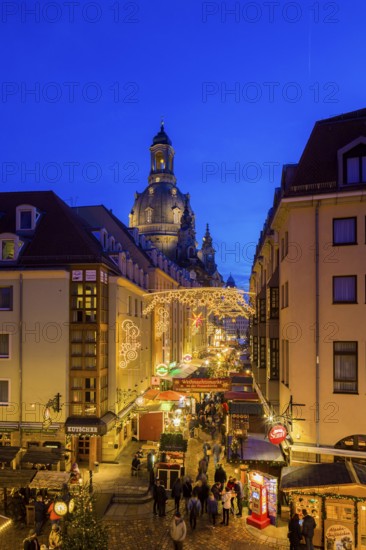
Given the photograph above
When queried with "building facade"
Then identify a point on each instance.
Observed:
(308, 276)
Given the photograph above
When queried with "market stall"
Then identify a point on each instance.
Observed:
(170, 464)
(335, 495)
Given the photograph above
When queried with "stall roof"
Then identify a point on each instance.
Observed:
(42, 455)
(50, 480)
(7, 454)
(10, 479)
(151, 394)
(242, 379)
(242, 407)
(315, 475)
(255, 449)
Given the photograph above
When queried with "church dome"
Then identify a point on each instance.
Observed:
(160, 203)
(162, 137)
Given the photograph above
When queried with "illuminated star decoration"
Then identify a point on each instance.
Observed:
(197, 320)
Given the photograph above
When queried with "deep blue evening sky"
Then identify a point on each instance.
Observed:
(104, 73)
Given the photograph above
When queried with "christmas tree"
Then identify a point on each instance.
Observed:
(82, 530)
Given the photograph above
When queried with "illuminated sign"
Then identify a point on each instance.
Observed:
(277, 434)
(162, 369)
(187, 358)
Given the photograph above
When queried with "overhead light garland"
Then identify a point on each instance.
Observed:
(222, 302)
(130, 343)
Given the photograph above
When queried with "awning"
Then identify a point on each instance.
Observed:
(245, 380)
(240, 396)
(7, 454)
(90, 425)
(151, 394)
(43, 455)
(49, 480)
(257, 450)
(237, 407)
(328, 451)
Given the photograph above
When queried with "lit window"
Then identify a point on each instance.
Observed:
(148, 212)
(4, 346)
(344, 231)
(345, 289)
(345, 367)
(7, 249)
(6, 298)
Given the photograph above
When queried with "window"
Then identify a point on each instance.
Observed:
(4, 392)
(284, 295)
(274, 303)
(344, 231)
(356, 169)
(148, 213)
(262, 353)
(26, 219)
(4, 346)
(345, 367)
(345, 289)
(7, 249)
(262, 310)
(6, 298)
(176, 213)
(129, 306)
(274, 358)
(285, 356)
(284, 246)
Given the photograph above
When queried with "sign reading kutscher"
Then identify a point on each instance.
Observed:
(202, 384)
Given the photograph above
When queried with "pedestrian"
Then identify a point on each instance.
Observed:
(135, 465)
(177, 490)
(194, 509)
(178, 531)
(294, 532)
(162, 498)
(40, 510)
(206, 451)
(54, 539)
(155, 496)
(203, 496)
(230, 486)
(308, 527)
(203, 466)
(220, 475)
(216, 451)
(150, 461)
(226, 497)
(54, 518)
(239, 491)
(212, 508)
(187, 491)
(31, 542)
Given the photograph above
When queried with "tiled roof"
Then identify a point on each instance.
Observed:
(59, 237)
(319, 163)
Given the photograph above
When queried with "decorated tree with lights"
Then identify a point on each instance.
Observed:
(82, 530)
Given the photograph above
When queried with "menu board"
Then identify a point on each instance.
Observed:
(309, 503)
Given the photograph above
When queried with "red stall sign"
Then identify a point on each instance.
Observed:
(277, 434)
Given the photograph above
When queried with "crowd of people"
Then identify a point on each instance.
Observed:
(209, 417)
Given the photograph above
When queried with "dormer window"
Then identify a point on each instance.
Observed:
(176, 215)
(148, 214)
(352, 162)
(10, 246)
(26, 217)
(103, 236)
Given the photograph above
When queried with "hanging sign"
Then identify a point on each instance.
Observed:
(277, 434)
(162, 369)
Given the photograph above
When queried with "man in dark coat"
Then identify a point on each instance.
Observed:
(31, 542)
(162, 498)
(40, 510)
(177, 490)
(308, 528)
(220, 475)
(155, 496)
(294, 532)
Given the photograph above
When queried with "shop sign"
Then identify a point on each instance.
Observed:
(172, 365)
(202, 384)
(155, 381)
(338, 537)
(187, 358)
(277, 434)
(162, 369)
(82, 429)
